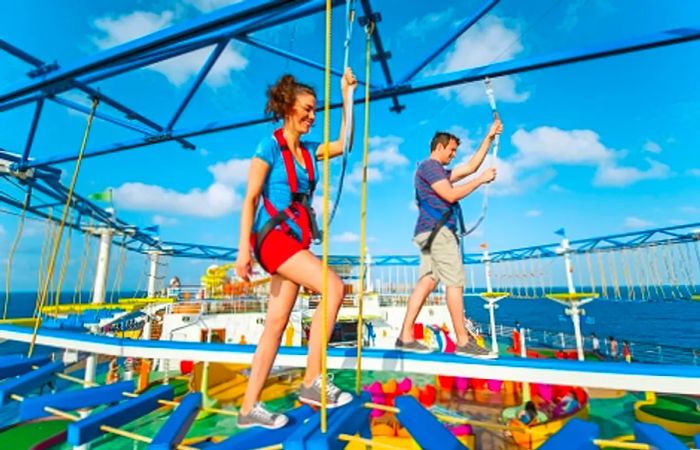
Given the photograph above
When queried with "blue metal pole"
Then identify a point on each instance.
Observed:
(381, 54)
(130, 113)
(307, 62)
(238, 30)
(19, 53)
(106, 117)
(197, 27)
(203, 72)
(461, 28)
(32, 129)
(660, 39)
(141, 142)
(21, 101)
(88, 90)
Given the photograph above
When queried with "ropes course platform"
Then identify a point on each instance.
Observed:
(674, 379)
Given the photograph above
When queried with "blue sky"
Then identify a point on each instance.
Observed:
(598, 147)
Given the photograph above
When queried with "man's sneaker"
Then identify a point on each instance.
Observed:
(472, 350)
(311, 395)
(261, 417)
(471, 327)
(413, 346)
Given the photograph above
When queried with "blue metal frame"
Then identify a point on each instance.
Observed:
(42, 67)
(461, 29)
(32, 129)
(239, 22)
(203, 72)
(61, 78)
(381, 54)
(660, 39)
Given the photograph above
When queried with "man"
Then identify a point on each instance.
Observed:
(436, 234)
(595, 342)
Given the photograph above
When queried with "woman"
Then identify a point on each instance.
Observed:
(283, 171)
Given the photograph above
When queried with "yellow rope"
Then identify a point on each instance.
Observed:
(607, 443)
(368, 442)
(363, 214)
(11, 255)
(575, 259)
(627, 275)
(64, 216)
(45, 244)
(654, 258)
(116, 284)
(613, 271)
(84, 259)
(687, 265)
(326, 212)
(62, 271)
(601, 271)
(642, 278)
(591, 274)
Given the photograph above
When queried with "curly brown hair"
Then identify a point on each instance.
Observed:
(282, 95)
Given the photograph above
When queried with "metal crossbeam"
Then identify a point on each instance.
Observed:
(660, 39)
(197, 27)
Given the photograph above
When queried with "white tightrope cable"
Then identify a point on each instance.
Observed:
(350, 18)
(495, 146)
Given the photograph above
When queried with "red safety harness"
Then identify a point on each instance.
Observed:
(299, 209)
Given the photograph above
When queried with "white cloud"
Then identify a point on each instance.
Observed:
(217, 200)
(233, 172)
(544, 147)
(573, 11)
(466, 143)
(620, 176)
(412, 206)
(694, 172)
(550, 145)
(204, 152)
(178, 70)
(511, 179)
(317, 205)
(693, 210)
(652, 147)
(487, 42)
(572, 15)
(420, 27)
(211, 5)
(164, 220)
(354, 178)
(636, 222)
(557, 188)
(384, 151)
(346, 237)
(384, 157)
(533, 213)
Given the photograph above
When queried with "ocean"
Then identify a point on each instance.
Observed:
(668, 323)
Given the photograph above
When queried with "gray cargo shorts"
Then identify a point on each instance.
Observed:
(443, 261)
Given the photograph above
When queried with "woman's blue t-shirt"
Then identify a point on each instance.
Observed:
(276, 187)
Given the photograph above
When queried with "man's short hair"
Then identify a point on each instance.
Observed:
(444, 138)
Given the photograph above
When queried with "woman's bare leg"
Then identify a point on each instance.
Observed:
(283, 294)
(305, 269)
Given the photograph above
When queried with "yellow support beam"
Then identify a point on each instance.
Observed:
(145, 300)
(565, 296)
(606, 443)
(24, 322)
